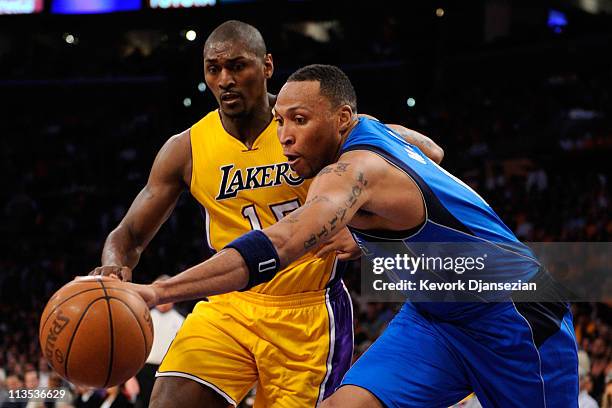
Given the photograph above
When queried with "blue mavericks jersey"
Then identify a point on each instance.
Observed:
(455, 214)
(510, 354)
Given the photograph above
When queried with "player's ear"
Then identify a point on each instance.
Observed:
(268, 66)
(345, 117)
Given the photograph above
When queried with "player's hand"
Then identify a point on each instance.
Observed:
(343, 243)
(123, 273)
(147, 292)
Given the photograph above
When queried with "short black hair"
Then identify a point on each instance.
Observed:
(234, 30)
(334, 83)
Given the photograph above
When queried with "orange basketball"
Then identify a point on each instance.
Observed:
(95, 332)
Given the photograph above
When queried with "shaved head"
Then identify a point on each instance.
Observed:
(238, 32)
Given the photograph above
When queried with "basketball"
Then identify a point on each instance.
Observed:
(94, 332)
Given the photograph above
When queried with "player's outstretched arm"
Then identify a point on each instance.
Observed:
(335, 195)
(149, 211)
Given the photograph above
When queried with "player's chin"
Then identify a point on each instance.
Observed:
(297, 169)
(236, 111)
(303, 169)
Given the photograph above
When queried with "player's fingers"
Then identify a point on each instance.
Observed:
(104, 271)
(107, 271)
(324, 250)
(343, 256)
(348, 256)
(96, 271)
(126, 274)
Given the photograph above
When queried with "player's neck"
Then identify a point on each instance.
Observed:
(344, 135)
(247, 128)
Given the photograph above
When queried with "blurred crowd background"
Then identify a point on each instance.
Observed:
(517, 94)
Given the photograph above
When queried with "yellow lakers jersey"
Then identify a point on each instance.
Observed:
(242, 189)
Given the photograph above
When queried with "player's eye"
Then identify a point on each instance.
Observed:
(238, 67)
(211, 69)
(300, 120)
(278, 120)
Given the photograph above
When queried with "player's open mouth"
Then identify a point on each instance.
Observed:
(292, 158)
(230, 96)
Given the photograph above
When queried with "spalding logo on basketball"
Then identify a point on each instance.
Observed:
(95, 332)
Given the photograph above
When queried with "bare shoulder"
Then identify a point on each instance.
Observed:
(179, 143)
(174, 158)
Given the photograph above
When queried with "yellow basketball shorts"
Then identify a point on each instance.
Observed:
(296, 348)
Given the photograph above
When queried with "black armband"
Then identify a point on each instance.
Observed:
(259, 255)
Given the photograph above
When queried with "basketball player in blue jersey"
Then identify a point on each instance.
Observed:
(433, 353)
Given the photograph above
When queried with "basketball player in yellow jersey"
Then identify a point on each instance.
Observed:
(293, 335)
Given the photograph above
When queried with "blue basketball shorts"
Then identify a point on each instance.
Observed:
(510, 354)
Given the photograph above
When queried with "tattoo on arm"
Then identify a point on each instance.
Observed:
(424, 141)
(324, 232)
(315, 199)
(293, 217)
(341, 167)
(332, 223)
(361, 179)
(340, 214)
(310, 242)
(336, 168)
(415, 138)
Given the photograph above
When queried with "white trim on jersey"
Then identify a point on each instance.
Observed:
(207, 224)
(536, 350)
(198, 380)
(332, 344)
